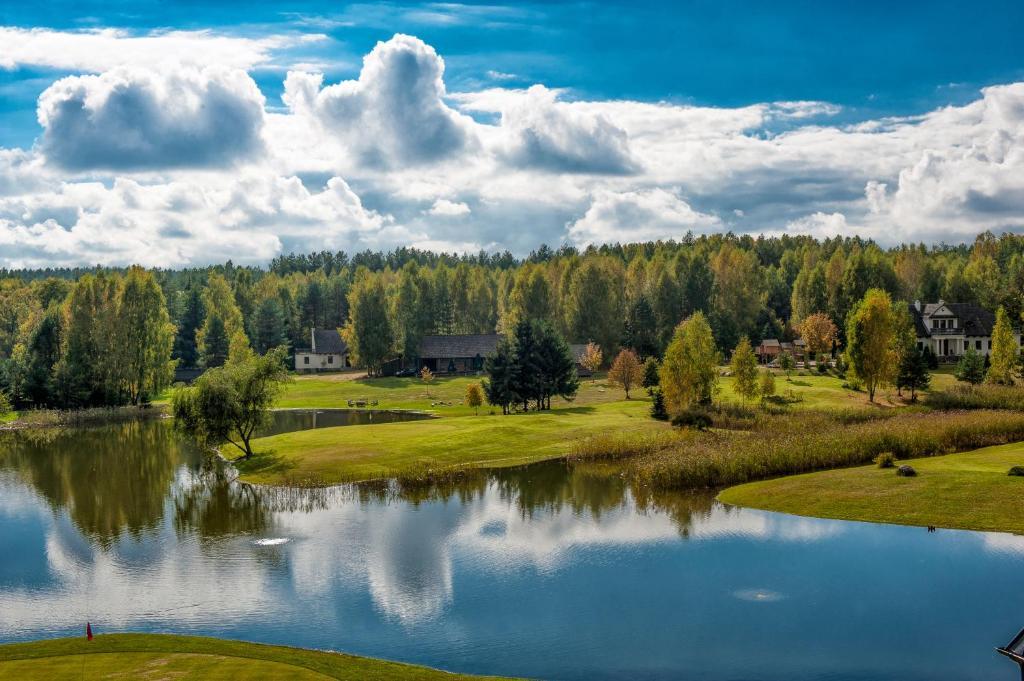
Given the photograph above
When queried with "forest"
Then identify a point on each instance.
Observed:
(102, 336)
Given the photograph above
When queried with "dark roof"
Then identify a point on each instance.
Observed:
(770, 343)
(974, 320)
(469, 345)
(328, 342)
(578, 350)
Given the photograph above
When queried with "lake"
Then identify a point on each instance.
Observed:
(542, 571)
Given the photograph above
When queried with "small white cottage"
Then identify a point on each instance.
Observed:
(329, 352)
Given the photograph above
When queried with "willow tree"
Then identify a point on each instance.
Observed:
(689, 371)
(145, 336)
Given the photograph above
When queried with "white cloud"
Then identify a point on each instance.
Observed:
(250, 218)
(133, 118)
(394, 113)
(104, 49)
(444, 207)
(642, 215)
(538, 162)
(555, 136)
(820, 225)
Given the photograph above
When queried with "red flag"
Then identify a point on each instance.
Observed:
(88, 631)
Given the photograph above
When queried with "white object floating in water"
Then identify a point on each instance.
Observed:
(276, 541)
(758, 595)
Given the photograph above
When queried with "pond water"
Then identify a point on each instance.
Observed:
(288, 420)
(541, 571)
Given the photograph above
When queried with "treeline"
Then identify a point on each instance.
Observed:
(630, 295)
(104, 340)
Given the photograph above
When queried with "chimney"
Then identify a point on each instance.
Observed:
(917, 305)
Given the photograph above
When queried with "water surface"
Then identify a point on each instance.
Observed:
(541, 571)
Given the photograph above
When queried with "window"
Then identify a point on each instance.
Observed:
(305, 360)
(977, 345)
(330, 359)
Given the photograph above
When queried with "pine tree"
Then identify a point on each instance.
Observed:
(970, 368)
(913, 374)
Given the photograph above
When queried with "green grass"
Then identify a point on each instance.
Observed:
(424, 448)
(159, 656)
(809, 390)
(969, 491)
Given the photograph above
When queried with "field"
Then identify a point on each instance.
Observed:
(158, 656)
(966, 491)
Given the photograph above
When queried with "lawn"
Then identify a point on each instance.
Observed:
(967, 491)
(416, 448)
(807, 389)
(190, 657)
(335, 390)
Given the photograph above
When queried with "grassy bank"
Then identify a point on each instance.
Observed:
(426, 448)
(770, 445)
(966, 491)
(190, 657)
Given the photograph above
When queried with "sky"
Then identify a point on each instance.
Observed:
(170, 134)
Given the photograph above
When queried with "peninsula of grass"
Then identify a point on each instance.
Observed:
(969, 491)
(421, 449)
(191, 657)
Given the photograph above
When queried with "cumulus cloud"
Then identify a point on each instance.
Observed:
(642, 215)
(444, 207)
(250, 218)
(820, 225)
(394, 113)
(544, 133)
(137, 119)
(103, 49)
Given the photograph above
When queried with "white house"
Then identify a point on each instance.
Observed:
(329, 352)
(949, 329)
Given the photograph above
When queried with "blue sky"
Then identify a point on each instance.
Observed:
(818, 83)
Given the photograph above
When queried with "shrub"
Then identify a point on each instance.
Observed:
(906, 471)
(5, 404)
(693, 417)
(1016, 471)
(885, 460)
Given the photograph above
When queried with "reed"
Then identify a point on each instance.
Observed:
(807, 442)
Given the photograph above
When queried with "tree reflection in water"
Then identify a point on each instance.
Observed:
(120, 480)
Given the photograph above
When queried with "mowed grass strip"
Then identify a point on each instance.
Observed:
(970, 491)
(326, 391)
(411, 449)
(190, 657)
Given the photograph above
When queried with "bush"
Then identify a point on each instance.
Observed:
(1017, 471)
(906, 471)
(5, 404)
(853, 383)
(885, 460)
(695, 418)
